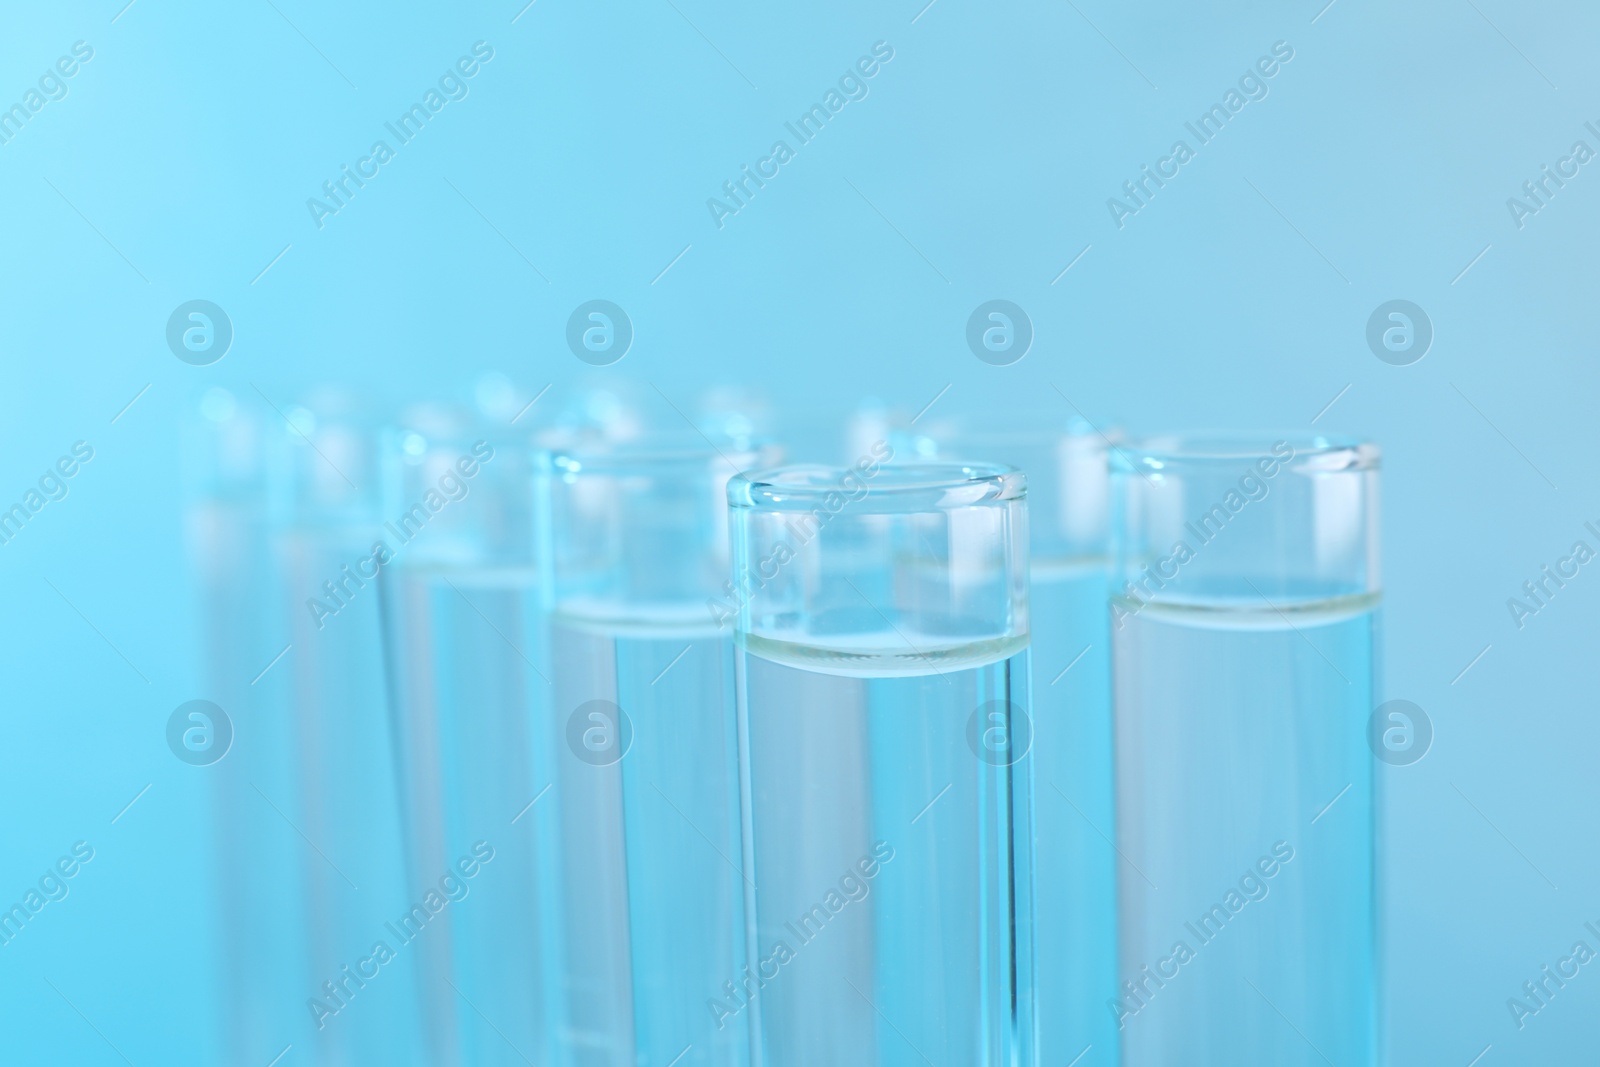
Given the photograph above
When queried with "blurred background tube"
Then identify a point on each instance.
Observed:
(1245, 637)
(883, 708)
(309, 854)
(343, 811)
(261, 952)
(464, 636)
(1075, 967)
(645, 872)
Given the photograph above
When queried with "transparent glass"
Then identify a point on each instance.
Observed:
(464, 642)
(643, 866)
(344, 810)
(309, 854)
(882, 615)
(1075, 965)
(259, 892)
(1245, 637)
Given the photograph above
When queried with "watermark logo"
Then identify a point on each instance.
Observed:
(599, 333)
(1537, 591)
(737, 193)
(199, 332)
(1399, 733)
(453, 486)
(1399, 333)
(802, 528)
(599, 732)
(52, 485)
(199, 733)
(340, 991)
(999, 733)
(999, 333)
(1252, 87)
(1252, 887)
(1253, 486)
(52, 85)
(340, 191)
(1543, 988)
(51, 887)
(853, 886)
(1537, 193)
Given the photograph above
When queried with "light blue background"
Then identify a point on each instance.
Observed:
(179, 164)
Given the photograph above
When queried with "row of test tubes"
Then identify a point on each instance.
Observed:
(602, 749)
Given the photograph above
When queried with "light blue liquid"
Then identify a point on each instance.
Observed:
(648, 865)
(892, 881)
(1076, 962)
(469, 691)
(1235, 730)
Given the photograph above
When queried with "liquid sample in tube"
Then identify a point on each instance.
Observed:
(1244, 682)
(464, 629)
(1075, 966)
(470, 633)
(899, 900)
(646, 868)
(661, 695)
(887, 778)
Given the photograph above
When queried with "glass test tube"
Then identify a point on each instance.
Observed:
(1075, 963)
(1245, 633)
(464, 641)
(646, 868)
(262, 968)
(884, 714)
(340, 806)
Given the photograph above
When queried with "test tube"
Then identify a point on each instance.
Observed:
(1245, 619)
(262, 969)
(884, 716)
(338, 805)
(464, 640)
(1075, 966)
(646, 869)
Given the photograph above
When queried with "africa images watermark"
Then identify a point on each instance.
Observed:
(1253, 485)
(1253, 887)
(1538, 192)
(452, 488)
(1537, 592)
(52, 485)
(852, 85)
(854, 886)
(52, 886)
(452, 86)
(1539, 992)
(454, 885)
(1252, 87)
(802, 528)
(52, 85)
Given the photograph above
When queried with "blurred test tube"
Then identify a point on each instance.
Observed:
(464, 643)
(308, 843)
(263, 971)
(344, 807)
(646, 871)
